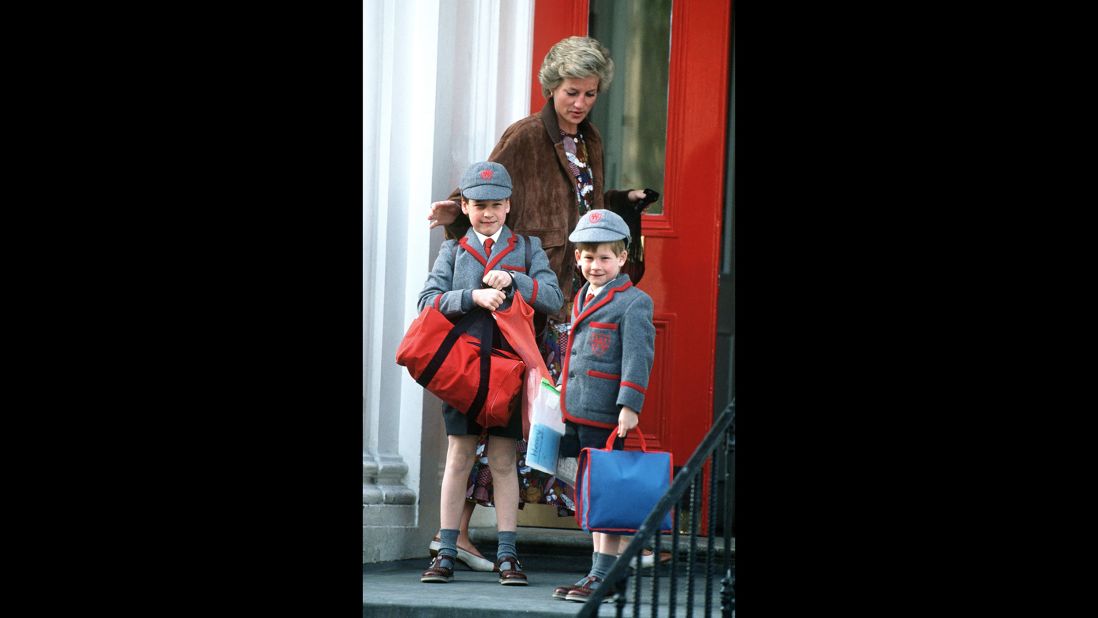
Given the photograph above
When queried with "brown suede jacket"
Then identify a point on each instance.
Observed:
(543, 200)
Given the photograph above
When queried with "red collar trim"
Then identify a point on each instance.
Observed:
(587, 311)
(464, 242)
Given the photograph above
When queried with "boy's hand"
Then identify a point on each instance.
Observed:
(498, 279)
(627, 419)
(442, 213)
(489, 298)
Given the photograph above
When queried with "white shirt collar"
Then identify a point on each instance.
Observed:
(591, 289)
(494, 237)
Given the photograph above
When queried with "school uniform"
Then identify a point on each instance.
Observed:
(460, 269)
(611, 346)
(462, 264)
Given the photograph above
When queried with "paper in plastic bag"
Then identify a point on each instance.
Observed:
(546, 429)
(566, 470)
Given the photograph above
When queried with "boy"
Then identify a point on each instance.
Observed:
(610, 350)
(485, 268)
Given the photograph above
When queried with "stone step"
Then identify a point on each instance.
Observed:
(554, 540)
(393, 590)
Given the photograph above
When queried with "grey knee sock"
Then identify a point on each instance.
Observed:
(447, 544)
(602, 565)
(506, 545)
(583, 580)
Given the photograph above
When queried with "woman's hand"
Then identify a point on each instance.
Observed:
(445, 213)
(627, 419)
(636, 195)
(489, 298)
(498, 279)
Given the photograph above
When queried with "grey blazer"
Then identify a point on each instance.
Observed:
(611, 346)
(461, 265)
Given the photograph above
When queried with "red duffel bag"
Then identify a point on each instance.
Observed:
(457, 363)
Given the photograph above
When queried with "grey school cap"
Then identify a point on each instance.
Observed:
(600, 226)
(486, 180)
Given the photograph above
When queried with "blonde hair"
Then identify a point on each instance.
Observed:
(577, 57)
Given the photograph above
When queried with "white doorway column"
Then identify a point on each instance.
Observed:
(441, 81)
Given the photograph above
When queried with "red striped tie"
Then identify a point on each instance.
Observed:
(488, 242)
(587, 301)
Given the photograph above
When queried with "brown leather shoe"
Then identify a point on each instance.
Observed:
(581, 593)
(436, 573)
(512, 575)
(560, 592)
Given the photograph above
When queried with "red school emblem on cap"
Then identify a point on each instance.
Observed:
(486, 174)
(600, 343)
(595, 216)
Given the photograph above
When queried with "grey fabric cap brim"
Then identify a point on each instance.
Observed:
(596, 235)
(487, 192)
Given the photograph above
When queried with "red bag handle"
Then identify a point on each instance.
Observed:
(614, 435)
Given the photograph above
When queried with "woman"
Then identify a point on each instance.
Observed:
(555, 159)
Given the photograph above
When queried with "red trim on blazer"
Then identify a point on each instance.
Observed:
(464, 242)
(584, 421)
(604, 325)
(576, 319)
(601, 374)
(636, 387)
(498, 258)
(520, 269)
(533, 296)
(578, 316)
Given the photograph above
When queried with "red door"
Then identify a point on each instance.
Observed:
(682, 244)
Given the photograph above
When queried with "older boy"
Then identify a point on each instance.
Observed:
(485, 268)
(610, 351)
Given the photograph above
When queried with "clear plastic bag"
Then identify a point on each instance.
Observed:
(546, 429)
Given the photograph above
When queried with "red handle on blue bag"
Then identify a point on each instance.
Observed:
(614, 435)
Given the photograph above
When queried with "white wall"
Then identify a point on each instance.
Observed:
(442, 80)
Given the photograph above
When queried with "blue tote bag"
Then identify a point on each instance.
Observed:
(616, 490)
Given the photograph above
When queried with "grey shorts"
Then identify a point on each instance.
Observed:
(458, 424)
(577, 437)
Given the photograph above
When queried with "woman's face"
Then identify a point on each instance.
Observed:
(573, 100)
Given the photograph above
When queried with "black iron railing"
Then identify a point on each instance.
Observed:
(718, 449)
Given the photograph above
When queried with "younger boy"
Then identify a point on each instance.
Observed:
(610, 350)
(485, 268)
